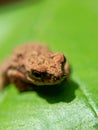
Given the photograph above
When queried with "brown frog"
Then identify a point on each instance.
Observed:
(34, 64)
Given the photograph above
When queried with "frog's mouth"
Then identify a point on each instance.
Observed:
(43, 82)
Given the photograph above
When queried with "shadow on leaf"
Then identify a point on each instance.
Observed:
(63, 93)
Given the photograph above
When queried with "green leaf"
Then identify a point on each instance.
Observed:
(68, 26)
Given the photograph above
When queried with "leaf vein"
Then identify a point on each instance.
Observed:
(87, 95)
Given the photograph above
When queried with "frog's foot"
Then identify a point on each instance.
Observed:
(22, 86)
(3, 81)
(18, 79)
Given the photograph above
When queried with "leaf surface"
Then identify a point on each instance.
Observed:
(67, 26)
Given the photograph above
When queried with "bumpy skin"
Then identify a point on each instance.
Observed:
(34, 64)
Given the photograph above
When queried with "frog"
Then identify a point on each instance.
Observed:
(34, 64)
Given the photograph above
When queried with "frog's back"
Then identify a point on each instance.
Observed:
(29, 48)
(16, 60)
(21, 53)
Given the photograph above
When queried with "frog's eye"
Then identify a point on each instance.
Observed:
(36, 74)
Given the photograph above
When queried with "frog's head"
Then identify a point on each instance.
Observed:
(47, 68)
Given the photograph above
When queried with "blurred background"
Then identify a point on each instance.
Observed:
(64, 25)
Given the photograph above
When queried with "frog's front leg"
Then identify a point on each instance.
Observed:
(4, 80)
(22, 86)
(19, 80)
